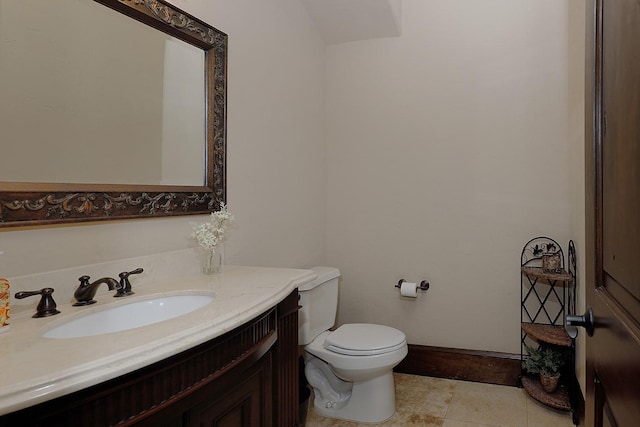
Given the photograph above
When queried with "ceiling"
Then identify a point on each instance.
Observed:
(341, 21)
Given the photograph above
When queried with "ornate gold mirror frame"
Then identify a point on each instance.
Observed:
(23, 204)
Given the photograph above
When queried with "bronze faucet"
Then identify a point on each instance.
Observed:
(86, 291)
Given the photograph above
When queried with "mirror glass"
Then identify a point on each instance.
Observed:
(109, 112)
(92, 96)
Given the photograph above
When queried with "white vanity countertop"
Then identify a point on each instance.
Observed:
(36, 369)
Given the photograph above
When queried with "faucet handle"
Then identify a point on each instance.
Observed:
(46, 307)
(125, 284)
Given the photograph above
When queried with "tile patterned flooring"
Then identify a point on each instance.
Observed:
(425, 401)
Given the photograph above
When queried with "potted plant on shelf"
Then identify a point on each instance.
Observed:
(545, 361)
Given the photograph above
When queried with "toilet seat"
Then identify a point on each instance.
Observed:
(364, 339)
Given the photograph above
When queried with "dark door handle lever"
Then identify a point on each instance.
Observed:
(587, 321)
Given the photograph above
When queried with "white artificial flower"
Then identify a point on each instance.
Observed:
(210, 234)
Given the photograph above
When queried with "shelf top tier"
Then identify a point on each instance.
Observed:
(539, 272)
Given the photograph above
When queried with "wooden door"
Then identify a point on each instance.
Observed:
(613, 212)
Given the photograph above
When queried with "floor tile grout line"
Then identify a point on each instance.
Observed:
(453, 395)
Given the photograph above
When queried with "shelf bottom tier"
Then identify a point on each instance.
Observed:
(558, 400)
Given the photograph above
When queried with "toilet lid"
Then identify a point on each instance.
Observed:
(364, 339)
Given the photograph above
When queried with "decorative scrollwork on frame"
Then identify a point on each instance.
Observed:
(90, 206)
(75, 203)
(177, 20)
(29, 205)
(121, 202)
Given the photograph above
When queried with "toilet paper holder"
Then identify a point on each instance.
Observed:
(424, 285)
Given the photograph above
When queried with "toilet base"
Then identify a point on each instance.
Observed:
(372, 401)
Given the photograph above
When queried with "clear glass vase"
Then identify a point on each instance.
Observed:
(212, 261)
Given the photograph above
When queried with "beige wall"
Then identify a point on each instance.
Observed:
(276, 161)
(276, 154)
(448, 149)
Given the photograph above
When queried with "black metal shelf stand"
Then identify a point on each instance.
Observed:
(546, 298)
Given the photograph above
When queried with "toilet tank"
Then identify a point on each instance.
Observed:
(319, 301)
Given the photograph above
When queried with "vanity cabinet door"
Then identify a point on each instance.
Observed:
(247, 404)
(239, 398)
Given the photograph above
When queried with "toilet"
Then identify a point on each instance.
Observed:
(350, 368)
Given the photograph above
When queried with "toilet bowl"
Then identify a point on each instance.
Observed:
(351, 368)
(357, 386)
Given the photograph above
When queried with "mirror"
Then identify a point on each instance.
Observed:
(107, 118)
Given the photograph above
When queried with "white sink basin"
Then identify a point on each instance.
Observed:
(129, 316)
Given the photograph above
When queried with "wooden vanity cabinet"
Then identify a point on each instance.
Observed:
(245, 378)
(285, 379)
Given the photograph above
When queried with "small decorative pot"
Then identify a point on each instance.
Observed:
(552, 263)
(550, 384)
